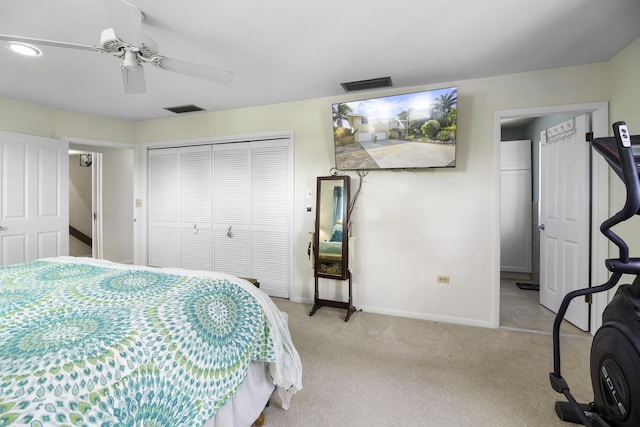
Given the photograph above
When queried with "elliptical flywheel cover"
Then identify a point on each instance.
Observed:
(615, 375)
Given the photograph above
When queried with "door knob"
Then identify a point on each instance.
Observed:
(3, 228)
(540, 227)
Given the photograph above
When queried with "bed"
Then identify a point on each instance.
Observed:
(330, 251)
(89, 342)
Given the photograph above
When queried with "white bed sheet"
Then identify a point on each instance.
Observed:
(247, 403)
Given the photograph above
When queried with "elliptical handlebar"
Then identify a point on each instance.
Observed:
(629, 175)
(627, 162)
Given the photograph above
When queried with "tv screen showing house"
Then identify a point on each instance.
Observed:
(408, 131)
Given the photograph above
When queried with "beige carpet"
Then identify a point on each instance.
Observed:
(380, 370)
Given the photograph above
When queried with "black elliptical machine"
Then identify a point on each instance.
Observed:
(615, 351)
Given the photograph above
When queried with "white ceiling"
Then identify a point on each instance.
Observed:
(286, 50)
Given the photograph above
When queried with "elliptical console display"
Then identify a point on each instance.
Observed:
(615, 351)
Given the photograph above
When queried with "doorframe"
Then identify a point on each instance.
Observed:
(96, 206)
(85, 142)
(599, 200)
(96, 200)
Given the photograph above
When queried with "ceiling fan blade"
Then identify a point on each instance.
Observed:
(126, 20)
(205, 72)
(133, 80)
(43, 42)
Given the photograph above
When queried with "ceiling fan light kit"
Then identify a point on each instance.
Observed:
(130, 60)
(126, 42)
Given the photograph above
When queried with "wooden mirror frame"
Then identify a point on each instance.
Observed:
(325, 263)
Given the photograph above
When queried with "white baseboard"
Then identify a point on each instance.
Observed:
(427, 316)
(411, 315)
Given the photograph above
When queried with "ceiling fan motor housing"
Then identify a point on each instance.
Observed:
(117, 47)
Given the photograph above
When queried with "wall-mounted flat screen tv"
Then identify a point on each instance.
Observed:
(408, 131)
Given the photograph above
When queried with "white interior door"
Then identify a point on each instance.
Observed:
(164, 212)
(195, 208)
(180, 207)
(252, 200)
(270, 216)
(564, 217)
(231, 208)
(34, 198)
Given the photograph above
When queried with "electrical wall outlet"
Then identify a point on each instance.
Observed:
(442, 279)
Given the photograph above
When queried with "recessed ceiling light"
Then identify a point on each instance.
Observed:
(24, 49)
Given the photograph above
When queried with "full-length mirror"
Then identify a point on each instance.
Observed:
(331, 233)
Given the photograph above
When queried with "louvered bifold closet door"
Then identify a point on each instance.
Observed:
(180, 207)
(231, 208)
(164, 239)
(224, 207)
(195, 208)
(270, 215)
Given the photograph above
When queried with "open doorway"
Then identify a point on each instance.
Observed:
(520, 281)
(111, 210)
(518, 307)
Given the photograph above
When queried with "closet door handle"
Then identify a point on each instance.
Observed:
(3, 228)
(540, 227)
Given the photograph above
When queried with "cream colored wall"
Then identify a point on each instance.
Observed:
(117, 203)
(625, 86)
(409, 226)
(625, 106)
(17, 116)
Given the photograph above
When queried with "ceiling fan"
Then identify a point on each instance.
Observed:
(127, 42)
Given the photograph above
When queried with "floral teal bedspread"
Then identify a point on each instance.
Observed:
(86, 345)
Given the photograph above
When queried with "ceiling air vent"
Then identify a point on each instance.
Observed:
(184, 109)
(377, 83)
